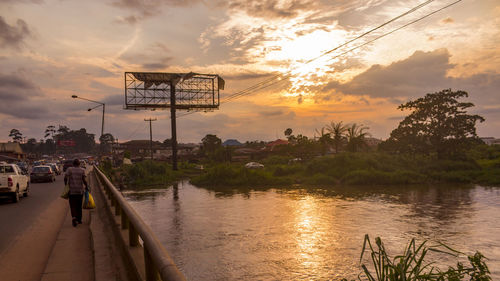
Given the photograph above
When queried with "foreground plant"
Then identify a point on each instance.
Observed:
(412, 266)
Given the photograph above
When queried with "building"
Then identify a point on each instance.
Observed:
(12, 150)
(490, 140)
(161, 151)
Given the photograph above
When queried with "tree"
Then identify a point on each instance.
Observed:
(106, 141)
(337, 133)
(210, 143)
(324, 140)
(16, 135)
(288, 132)
(356, 137)
(438, 124)
(50, 131)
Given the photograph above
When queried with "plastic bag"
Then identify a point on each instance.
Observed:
(65, 193)
(88, 201)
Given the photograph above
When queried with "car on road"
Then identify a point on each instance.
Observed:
(55, 168)
(13, 181)
(42, 173)
(67, 164)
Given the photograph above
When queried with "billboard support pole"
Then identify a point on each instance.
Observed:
(173, 125)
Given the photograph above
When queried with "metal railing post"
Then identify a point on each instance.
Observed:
(133, 236)
(124, 221)
(117, 209)
(151, 272)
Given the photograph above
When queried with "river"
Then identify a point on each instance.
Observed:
(313, 234)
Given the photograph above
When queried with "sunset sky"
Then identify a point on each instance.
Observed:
(52, 49)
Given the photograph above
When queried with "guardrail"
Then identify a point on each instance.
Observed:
(157, 263)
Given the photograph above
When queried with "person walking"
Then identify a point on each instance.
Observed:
(75, 177)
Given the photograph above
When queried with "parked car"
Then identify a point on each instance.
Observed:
(67, 164)
(254, 165)
(42, 173)
(13, 181)
(23, 166)
(55, 168)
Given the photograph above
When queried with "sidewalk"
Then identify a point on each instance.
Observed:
(53, 250)
(71, 257)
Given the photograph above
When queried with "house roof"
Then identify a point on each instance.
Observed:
(277, 142)
(12, 147)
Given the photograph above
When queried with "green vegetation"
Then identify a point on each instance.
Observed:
(412, 265)
(362, 168)
(146, 174)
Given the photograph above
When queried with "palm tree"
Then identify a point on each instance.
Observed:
(324, 139)
(356, 137)
(337, 134)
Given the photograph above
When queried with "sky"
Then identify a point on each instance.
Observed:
(53, 49)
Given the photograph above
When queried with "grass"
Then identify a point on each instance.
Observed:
(482, 166)
(354, 169)
(413, 265)
(148, 174)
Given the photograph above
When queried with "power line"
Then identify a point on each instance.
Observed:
(282, 77)
(243, 92)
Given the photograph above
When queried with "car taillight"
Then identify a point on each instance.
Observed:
(50, 172)
(10, 183)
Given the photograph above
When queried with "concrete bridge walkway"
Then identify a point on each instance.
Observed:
(52, 249)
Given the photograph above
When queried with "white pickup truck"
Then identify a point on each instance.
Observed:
(13, 182)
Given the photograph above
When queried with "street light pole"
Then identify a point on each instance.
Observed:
(100, 104)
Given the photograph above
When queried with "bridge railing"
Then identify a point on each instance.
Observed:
(157, 263)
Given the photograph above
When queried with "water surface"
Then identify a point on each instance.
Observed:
(304, 234)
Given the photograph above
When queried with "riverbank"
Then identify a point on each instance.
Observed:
(354, 169)
(481, 166)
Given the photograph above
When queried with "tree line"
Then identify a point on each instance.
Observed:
(438, 125)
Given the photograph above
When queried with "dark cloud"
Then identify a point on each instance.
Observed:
(21, 98)
(421, 72)
(271, 113)
(246, 75)
(145, 9)
(152, 58)
(114, 100)
(103, 87)
(154, 66)
(13, 36)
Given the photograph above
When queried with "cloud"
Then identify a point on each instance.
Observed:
(448, 20)
(145, 9)
(420, 73)
(21, 98)
(151, 58)
(13, 36)
(246, 75)
(272, 8)
(273, 113)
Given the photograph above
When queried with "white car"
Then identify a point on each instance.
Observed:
(254, 165)
(13, 182)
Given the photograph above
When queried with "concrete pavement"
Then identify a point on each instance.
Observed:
(53, 250)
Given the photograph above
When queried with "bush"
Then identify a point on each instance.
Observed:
(227, 175)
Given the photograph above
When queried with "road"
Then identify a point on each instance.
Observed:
(15, 218)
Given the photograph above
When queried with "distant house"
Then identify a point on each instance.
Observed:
(231, 142)
(12, 150)
(161, 151)
(371, 142)
(271, 145)
(490, 140)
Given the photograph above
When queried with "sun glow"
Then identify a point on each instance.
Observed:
(301, 60)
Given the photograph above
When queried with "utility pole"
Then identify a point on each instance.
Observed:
(150, 135)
